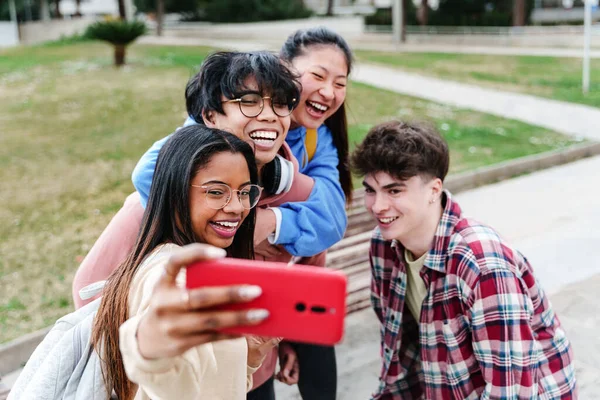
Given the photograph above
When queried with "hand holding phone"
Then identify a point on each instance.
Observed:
(305, 303)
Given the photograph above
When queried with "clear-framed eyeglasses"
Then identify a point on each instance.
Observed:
(252, 104)
(218, 195)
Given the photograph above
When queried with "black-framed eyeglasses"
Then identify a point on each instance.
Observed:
(252, 104)
(218, 195)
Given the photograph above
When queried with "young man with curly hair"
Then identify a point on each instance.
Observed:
(462, 314)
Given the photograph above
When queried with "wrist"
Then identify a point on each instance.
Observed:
(255, 358)
(141, 340)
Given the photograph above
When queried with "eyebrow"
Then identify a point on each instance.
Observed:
(216, 182)
(244, 91)
(394, 185)
(388, 186)
(326, 70)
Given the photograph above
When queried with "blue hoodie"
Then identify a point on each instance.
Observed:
(308, 227)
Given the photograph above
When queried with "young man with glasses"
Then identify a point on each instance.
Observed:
(462, 314)
(250, 95)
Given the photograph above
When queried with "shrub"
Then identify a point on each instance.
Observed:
(119, 33)
(253, 10)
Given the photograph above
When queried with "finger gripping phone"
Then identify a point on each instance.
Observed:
(305, 303)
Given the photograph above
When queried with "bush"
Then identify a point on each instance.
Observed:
(66, 40)
(253, 10)
(118, 33)
(383, 16)
(456, 13)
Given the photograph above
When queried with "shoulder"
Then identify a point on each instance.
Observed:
(324, 135)
(158, 257)
(323, 130)
(149, 272)
(476, 249)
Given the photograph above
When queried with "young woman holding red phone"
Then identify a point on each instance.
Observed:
(204, 191)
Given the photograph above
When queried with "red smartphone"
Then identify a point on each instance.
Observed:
(305, 303)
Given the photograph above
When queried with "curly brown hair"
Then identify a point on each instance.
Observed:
(403, 150)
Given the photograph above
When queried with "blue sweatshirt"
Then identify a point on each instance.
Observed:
(308, 227)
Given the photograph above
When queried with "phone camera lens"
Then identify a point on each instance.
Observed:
(300, 307)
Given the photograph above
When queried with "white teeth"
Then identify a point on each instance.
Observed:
(387, 220)
(263, 141)
(318, 106)
(269, 135)
(227, 224)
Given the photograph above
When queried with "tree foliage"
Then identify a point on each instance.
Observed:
(119, 33)
(459, 13)
(253, 10)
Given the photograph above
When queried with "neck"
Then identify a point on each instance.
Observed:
(420, 240)
(259, 167)
(294, 125)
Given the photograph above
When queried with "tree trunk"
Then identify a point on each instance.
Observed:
(44, 10)
(78, 8)
(518, 12)
(119, 55)
(160, 12)
(403, 35)
(122, 13)
(423, 13)
(329, 7)
(57, 9)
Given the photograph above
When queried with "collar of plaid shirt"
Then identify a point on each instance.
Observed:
(485, 326)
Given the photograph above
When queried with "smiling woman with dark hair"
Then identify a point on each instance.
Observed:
(204, 191)
(149, 337)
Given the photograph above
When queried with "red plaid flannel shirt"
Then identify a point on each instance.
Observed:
(486, 329)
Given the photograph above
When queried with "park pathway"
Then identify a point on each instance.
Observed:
(563, 117)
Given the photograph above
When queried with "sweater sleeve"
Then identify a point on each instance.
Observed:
(190, 375)
(312, 226)
(144, 170)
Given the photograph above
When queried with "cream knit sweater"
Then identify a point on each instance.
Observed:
(213, 371)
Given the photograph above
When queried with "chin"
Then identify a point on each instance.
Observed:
(311, 123)
(387, 235)
(220, 242)
(263, 158)
(392, 234)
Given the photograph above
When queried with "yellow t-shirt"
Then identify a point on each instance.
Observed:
(415, 288)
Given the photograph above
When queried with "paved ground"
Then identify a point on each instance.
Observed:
(552, 217)
(568, 118)
(274, 43)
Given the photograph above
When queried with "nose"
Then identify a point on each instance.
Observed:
(234, 206)
(379, 204)
(327, 90)
(267, 113)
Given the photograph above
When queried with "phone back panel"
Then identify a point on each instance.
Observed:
(306, 303)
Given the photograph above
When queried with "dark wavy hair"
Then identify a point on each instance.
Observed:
(225, 73)
(403, 150)
(297, 44)
(166, 220)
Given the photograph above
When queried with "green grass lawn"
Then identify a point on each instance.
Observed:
(73, 128)
(552, 77)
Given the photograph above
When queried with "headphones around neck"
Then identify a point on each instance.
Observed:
(277, 176)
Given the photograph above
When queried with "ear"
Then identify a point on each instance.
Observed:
(437, 188)
(209, 118)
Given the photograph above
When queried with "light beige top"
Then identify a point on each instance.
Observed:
(415, 290)
(216, 370)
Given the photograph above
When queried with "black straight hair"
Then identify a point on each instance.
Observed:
(297, 44)
(225, 74)
(166, 220)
